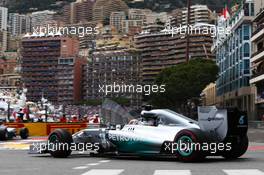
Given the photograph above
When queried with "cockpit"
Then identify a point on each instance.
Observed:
(161, 117)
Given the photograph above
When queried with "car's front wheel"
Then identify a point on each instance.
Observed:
(187, 142)
(238, 147)
(60, 142)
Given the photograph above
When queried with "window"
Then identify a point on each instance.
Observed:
(246, 9)
(246, 50)
(246, 32)
(252, 10)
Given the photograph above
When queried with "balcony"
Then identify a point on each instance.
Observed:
(258, 33)
(256, 77)
(257, 55)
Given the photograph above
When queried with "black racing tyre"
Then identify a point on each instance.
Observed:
(101, 149)
(60, 142)
(186, 140)
(24, 133)
(3, 134)
(239, 147)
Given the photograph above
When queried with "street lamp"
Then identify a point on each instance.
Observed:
(187, 33)
(8, 111)
(46, 113)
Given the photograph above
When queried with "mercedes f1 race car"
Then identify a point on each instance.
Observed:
(7, 133)
(219, 132)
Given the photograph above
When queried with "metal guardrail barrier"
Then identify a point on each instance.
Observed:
(256, 124)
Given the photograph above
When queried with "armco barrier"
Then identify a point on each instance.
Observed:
(44, 129)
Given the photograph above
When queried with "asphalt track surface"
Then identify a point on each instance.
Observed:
(15, 160)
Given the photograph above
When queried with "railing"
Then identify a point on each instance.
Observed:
(260, 27)
(258, 52)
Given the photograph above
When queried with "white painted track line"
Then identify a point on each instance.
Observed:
(93, 164)
(244, 172)
(80, 167)
(172, 172)
(104, 172)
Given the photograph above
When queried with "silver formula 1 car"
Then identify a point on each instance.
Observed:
(220, 132)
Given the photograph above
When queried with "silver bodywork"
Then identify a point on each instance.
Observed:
(140, 137)
(147, 134)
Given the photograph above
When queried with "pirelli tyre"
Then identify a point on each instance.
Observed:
(239, 146)
(24, 133)
(3, 134)
(188, 141)
(60, 142)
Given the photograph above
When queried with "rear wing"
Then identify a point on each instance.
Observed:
(221, 123)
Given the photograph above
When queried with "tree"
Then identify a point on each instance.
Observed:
(183, 82)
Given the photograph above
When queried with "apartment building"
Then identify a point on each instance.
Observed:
(257, 63)
(51, 67)
(160, 50)
(3, 18)
(129, 24)
(139, 14)
(198, 14)
(40, 17)
(9, 71)
(116, 20)
(79, 11)
(233, 52)
(113, 65)
(19, 24)
(3, 40)
(102, 9)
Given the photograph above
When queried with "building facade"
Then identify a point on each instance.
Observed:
(160, 50)
(51, 68)
(233, 52)
(40, 17)
(208, 95)
(129, 24)
(3, 18)
(139, 14)
(10, 79)
(19, 24)
(198, 14)
(257, 64)
(116, 19)
(3, 40)
(113, 66)
(79, 11)
(102, 9)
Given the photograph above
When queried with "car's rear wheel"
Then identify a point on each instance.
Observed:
(3, 134)
(60, 142)
(239, 147)
(24, 133)
(188, 145)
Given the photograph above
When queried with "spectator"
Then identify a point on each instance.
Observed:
(74, 119)
(63, 119)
